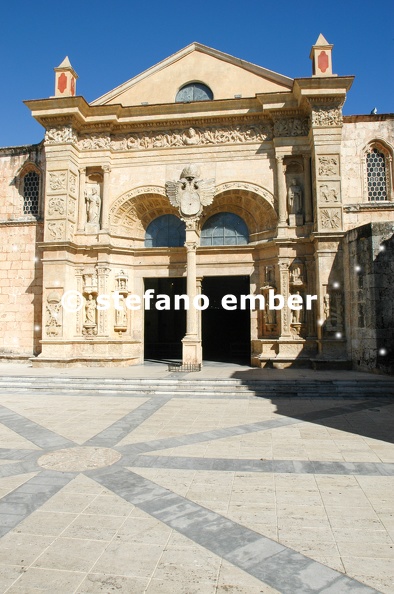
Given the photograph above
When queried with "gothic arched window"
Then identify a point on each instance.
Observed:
(224, 228)
(165, 231)
(193, 92)
(377, 169)
(31, 193)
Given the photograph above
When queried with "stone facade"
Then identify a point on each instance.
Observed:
(277, 152)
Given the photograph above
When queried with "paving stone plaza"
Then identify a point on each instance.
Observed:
(231, 480)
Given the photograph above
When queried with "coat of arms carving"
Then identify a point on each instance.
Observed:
(190, 193)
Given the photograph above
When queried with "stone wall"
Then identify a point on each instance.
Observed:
(20, 261)
(369, 259)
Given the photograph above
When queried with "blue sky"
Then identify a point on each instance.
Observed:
(110, 42)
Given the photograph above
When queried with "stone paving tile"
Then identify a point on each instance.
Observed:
(104, 583)
(44, 580)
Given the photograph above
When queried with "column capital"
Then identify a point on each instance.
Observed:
(106, 168)
(82, 170)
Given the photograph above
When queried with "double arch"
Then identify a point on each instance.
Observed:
(135, 210)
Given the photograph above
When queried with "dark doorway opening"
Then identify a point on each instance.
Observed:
(164, 329)
(225, 334)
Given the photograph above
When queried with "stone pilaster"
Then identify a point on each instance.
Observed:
(106, 198)
(81, 200)
(307, 189)
(284, 291)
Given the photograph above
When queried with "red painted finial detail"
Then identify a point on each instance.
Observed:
(72, 86)
(62, 82)
(322, 61)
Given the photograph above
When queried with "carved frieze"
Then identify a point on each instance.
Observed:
(57, 180)
(326, 116)
(92, 142)
(330, 218)
(60, 135)
(328, 165)
(291, 127)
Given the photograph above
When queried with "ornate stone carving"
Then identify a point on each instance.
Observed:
(60, 135)
(190, 193)
(53, 309)
(291, 127)
(257, 132)
(248, 188)
(330, 218)
(56, 230)
(326, 115)
(72, 183)
(57, 181)
(71, 229)
(71, 208)
(328, 165)
(329, 192)
(121, 282)
(297, 273)
(89, 281)
(333, 311)
(56, 206)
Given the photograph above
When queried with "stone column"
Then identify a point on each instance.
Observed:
(199, 313)
(307, 189)
(81, 200)
(105, 203)
(192, 353)
(280, 178)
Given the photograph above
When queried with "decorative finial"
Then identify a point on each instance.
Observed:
(65, 79)
(321, 56)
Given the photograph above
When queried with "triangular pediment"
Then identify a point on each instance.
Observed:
(225, 75)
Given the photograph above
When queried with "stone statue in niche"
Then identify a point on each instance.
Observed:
(296, 313)
(326, 306)
(270, 314)
(90, 310)
(294, 198)
(93, 207)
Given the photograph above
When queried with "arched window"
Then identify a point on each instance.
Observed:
(193, 92)
(165, 231)
(377, 172)
(224, 228)
(31, 193)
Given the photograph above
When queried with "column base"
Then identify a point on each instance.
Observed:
(191, 350)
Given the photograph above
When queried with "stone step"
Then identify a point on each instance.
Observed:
(211, 387)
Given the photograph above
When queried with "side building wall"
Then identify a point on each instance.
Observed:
(369, 257)
(20, 261)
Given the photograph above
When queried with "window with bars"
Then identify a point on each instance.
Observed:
(31, 193)
(376, 175)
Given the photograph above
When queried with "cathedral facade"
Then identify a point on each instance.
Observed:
(203, 176)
